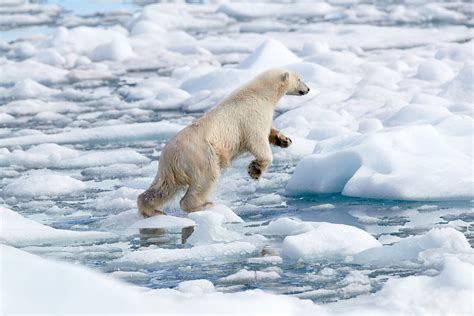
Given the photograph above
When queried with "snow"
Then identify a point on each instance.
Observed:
(287, 226)
(460, 88)
(53, 155)
(162, 221)
(28, 88)
(249, 276)
(209, 229)
(207, 252)
(434, 70)
(328, 240)
(90, 93)
(228, 215)
(450, 293)
(116, 50)
(119, 132)
(39, 284)
(430, 295)
(19, 231)
(196, 287)
(417, 248)
(30, 69)
(270, 54)
(260, 10)
(386, 164)
(43, 184)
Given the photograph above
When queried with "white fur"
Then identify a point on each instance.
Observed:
(242, 122)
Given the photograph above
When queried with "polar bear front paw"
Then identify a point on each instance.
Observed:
(283, 141)
(278, 139)
(254, 170)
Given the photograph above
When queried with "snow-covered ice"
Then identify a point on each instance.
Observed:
(17, 230)
(327, 241)
(368, 212)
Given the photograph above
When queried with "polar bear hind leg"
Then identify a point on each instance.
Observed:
(150, 201)
(196, 197)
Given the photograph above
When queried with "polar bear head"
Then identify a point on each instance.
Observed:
(283, 80)
(294, 85)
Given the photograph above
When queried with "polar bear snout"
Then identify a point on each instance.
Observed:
(297, 86)
(303, 92)
(303, 88)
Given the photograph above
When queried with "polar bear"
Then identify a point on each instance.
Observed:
(241, 123)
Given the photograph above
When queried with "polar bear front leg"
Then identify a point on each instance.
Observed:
(260, 149)
(276, 138)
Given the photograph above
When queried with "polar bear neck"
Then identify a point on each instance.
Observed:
(266, 91)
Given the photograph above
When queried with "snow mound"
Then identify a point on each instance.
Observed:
(387, 164)
(196, 287)
(333, 173)
(417, 248)
(229, 215)
(209, 229)
(328, 240)
(461, 88)
(434, 70)
(120, 222)
(116, 50)
(43, 184)
(269, 54)
(287, 226)
(28, 88)
(415, 114)
(225, 79)
(19, 231)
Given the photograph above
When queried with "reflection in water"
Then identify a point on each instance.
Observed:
(164, 236)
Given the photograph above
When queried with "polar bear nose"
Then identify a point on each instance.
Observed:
(301, 92)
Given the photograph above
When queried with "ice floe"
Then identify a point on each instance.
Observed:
(217, 251)
(29, 293)
(424, 249)
(19, 231)
(103, 134)
(327, 241)
(39, 184)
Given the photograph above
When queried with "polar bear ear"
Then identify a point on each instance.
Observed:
(285, 76)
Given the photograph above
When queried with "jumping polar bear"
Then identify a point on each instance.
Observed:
(242, 122)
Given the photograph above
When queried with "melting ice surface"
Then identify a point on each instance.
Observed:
(374, 195)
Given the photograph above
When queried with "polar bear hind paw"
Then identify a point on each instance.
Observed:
(255, 170)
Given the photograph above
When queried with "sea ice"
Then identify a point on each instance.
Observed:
(43, 183)
(37, 286)
(246, 276)
(19, 231)
(120, 132)
(207, 252)
(424, 248)
(327, 241)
